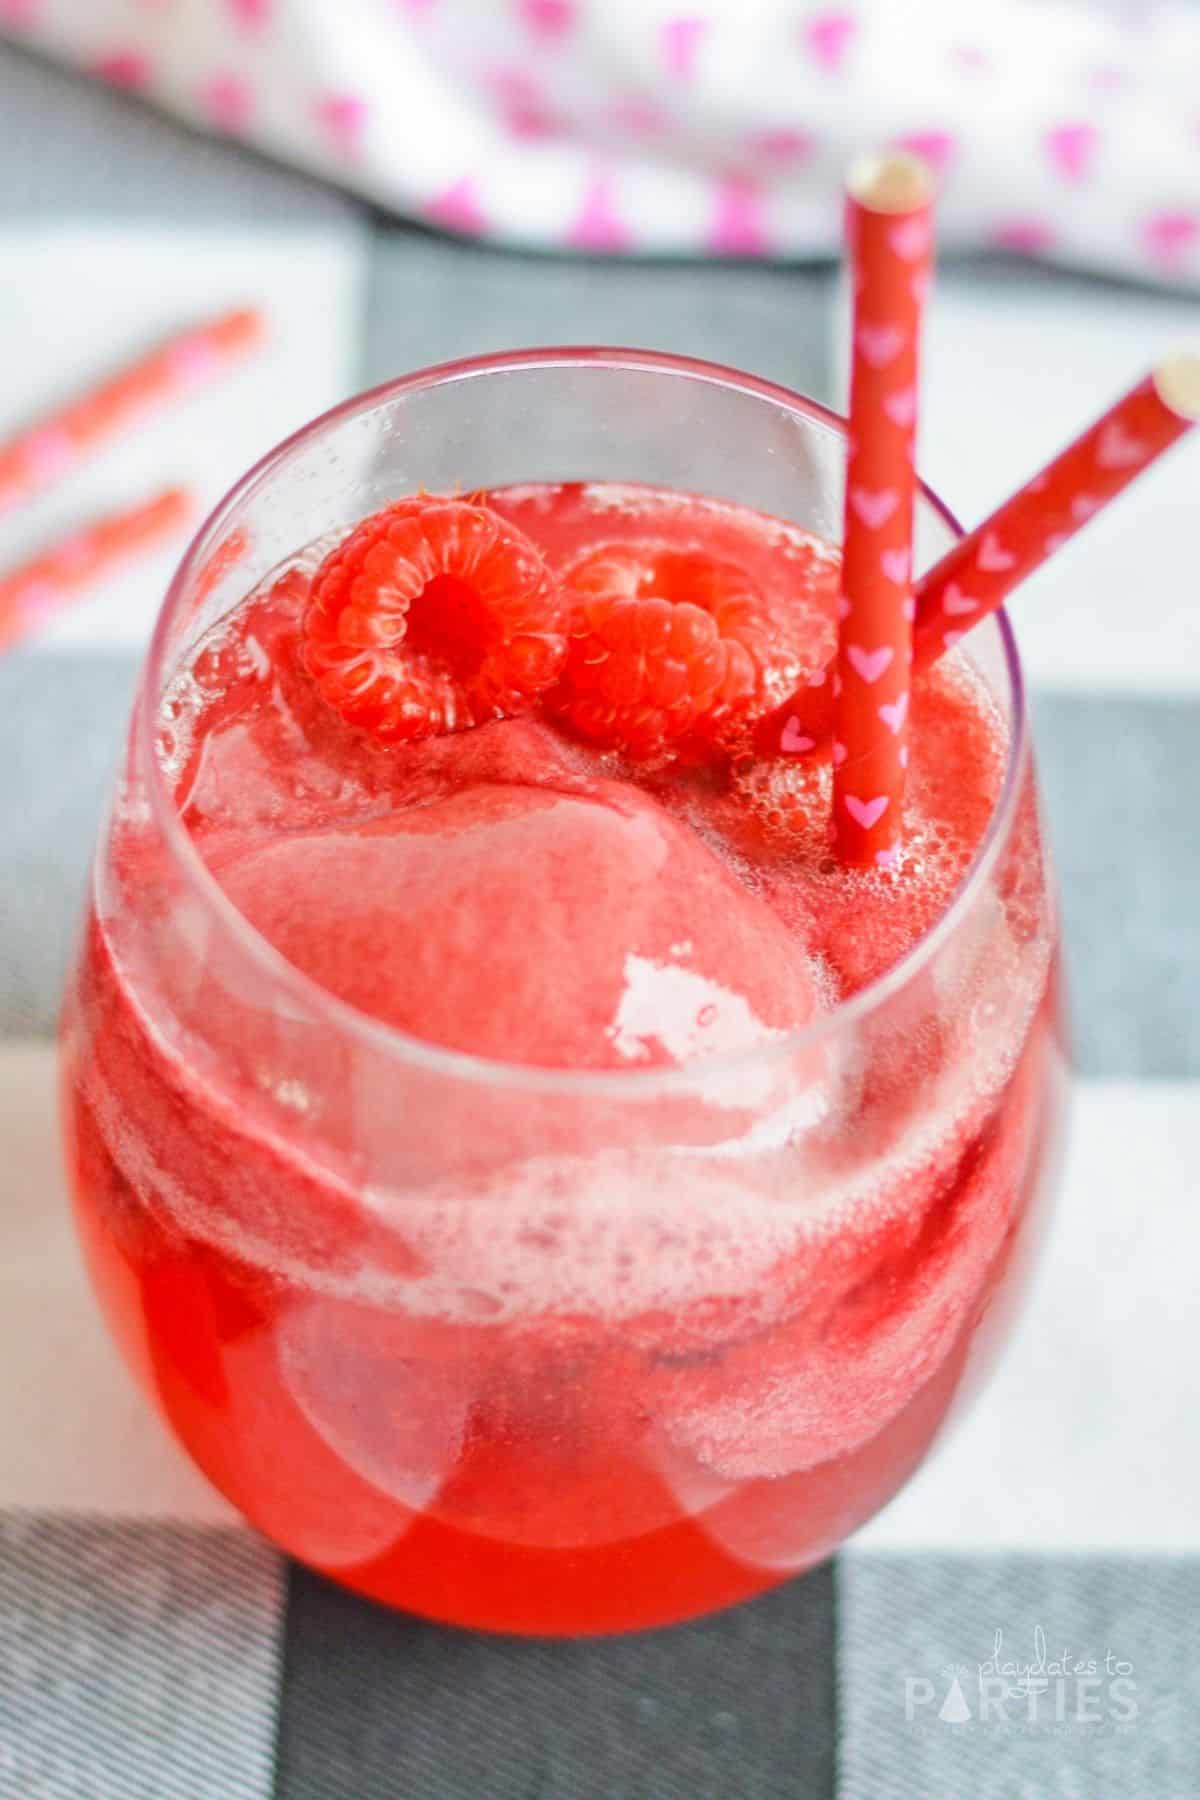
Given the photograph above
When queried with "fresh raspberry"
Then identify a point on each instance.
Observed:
(663, 646)
(432, 616)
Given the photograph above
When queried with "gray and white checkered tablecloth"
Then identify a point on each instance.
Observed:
(150, 1645)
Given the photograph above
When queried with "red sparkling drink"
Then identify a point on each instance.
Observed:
(539, 1186)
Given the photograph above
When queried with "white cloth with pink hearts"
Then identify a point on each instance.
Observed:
(715, 127)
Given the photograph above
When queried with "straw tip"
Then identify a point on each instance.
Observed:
(171, 505)
(898, 182)
(1178, 384)
(243, 325)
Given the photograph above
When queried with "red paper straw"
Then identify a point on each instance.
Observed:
(889, 222)
(40, 455)
(41, 587)
(977, 575)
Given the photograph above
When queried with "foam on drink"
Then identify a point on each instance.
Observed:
(393, 877)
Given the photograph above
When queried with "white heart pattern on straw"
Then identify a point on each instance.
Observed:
(874, 509)
(955, 603)
(880, 344)
(792, 739)
(866, 812)
(894, 714)
(870, 664)
(1116, 449)
(991, 556)
(894, 564)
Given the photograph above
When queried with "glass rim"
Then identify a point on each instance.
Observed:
(464, 1065)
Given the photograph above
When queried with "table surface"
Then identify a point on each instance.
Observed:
(150, 1645)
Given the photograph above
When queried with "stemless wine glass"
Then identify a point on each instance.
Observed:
(548, 1351)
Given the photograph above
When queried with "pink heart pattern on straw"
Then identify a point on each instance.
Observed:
(890, 251)
(794, 741)
(44, 451)
(912, 238)
(1043, 515)
(874, 509)
(880, 344)
(47, 453)
(1117, 449)
(901, 408)
(991, 556)
(895, 713)
(866, 812)
(974, 578)
(870, 664)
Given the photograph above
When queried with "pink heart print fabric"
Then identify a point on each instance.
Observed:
(1059, 128)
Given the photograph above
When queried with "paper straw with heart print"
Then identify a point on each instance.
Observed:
(975, 577)
(38, 456)
(979, 573)
(889, 224)
(40, 588)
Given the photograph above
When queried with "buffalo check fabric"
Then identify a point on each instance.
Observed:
(150, 1645)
